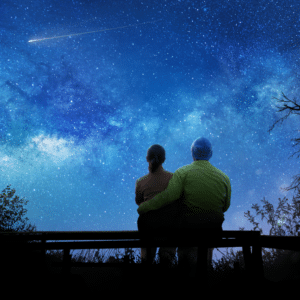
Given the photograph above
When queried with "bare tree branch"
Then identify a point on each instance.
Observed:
(292, 109)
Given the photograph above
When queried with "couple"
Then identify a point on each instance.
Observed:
(194, 197)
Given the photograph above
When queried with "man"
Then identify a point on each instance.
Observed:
(206, 194)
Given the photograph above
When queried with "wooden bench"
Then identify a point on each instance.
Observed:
(57, 240)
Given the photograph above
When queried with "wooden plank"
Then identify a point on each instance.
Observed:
(90, 235)
(286, 242)
(132, 244)
(280, 242)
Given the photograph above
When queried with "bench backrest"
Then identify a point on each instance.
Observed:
(122, 235)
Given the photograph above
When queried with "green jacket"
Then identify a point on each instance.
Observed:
(205, 189)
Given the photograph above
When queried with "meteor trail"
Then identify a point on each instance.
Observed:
(81, 33)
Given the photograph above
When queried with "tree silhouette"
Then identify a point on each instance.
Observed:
(292, 107)
(12, 213)
(286, 215)
(284, 221)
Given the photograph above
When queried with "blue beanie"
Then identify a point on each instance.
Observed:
(201, 149)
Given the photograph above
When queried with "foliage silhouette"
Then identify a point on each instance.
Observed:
(12, 213)
(284, 221)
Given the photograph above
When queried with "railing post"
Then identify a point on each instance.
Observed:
(43, 250)
(202, 262)
(257, 261)
(148, 255)
(66, 261)
(247, 259)
(253, 261)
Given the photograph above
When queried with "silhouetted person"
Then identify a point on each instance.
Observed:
(205, 193)
(146, 188)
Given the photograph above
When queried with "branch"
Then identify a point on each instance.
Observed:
(292, 109)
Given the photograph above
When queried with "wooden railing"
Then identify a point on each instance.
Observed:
(67, 240)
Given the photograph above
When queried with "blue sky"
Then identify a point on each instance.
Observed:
(78, 113)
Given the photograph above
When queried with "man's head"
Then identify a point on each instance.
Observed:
(201, 149)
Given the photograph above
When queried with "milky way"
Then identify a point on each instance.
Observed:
(79, 113)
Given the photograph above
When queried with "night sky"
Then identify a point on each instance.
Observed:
(79, 112)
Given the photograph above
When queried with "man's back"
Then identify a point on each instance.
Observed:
(206, 188)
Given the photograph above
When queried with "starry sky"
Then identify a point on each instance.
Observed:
(78, 112)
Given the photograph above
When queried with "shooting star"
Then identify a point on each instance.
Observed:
(81, 33)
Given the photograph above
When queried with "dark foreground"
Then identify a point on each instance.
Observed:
(137, 281)
(27, 275)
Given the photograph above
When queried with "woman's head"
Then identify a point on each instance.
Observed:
(156, 155)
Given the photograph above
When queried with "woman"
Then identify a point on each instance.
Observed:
(162, 219)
